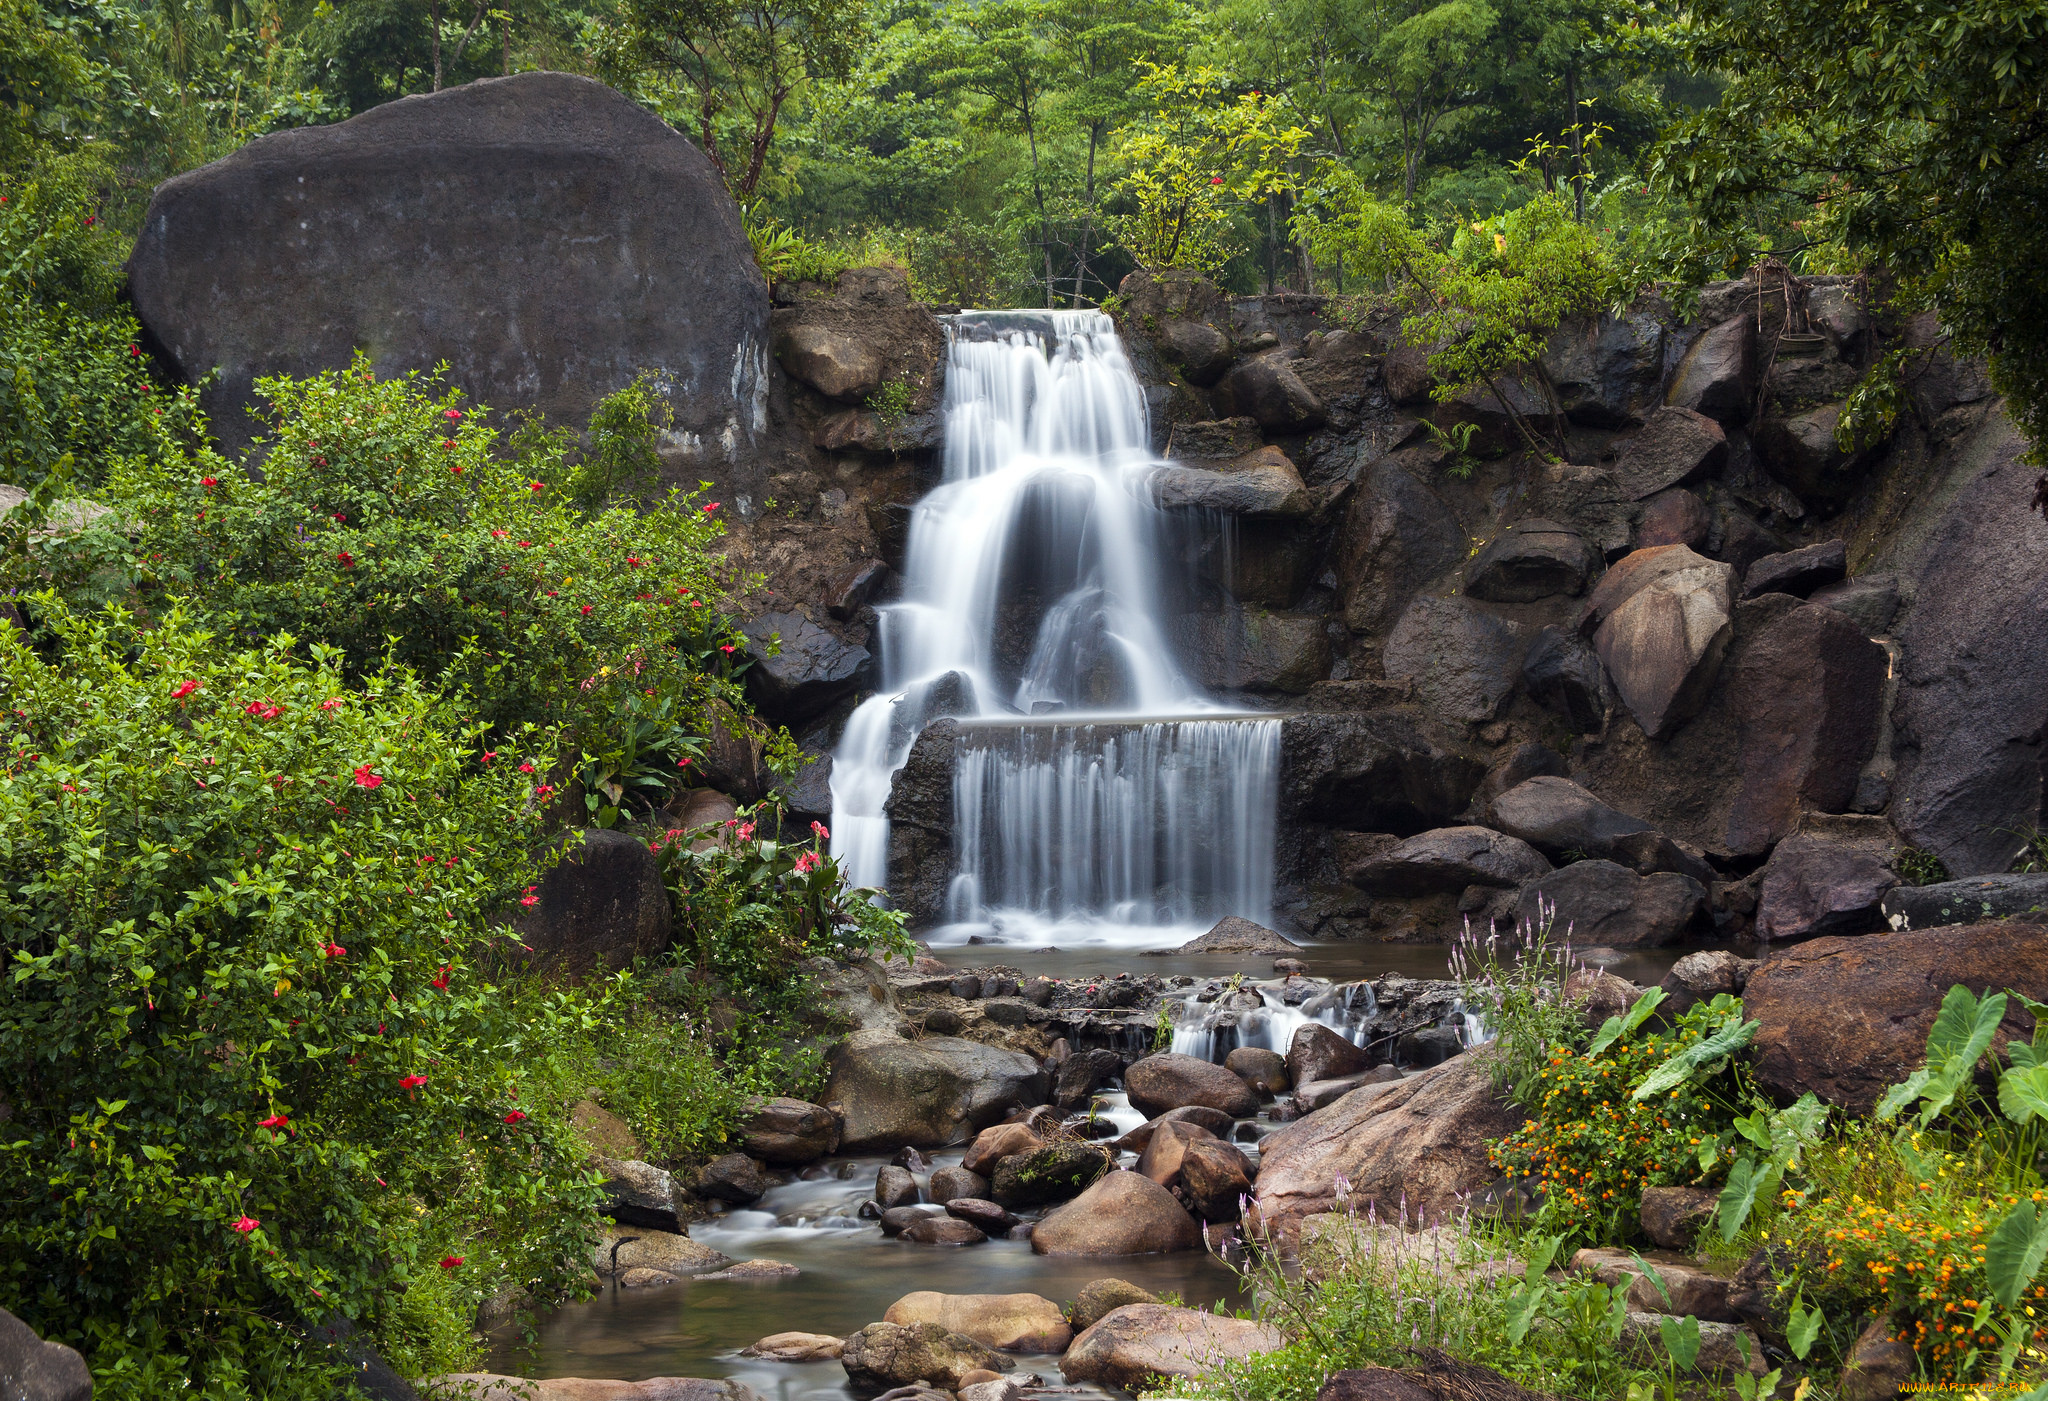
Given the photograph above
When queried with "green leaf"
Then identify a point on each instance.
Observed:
(1523, 1309)
(1747, 1184)
(1803, 1328)
(1651, 1273)
(1701, 1057)
(1539, 1254)
(2013, 1255)
(1614, 1028)
(2023, 1094)
(1681, 1340)
(1900, 1095)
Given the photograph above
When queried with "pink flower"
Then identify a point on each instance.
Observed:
(818, 831)
(516, 1116)
(543, 790)
(185, 688)
(529, 899)
(586, 610)
(746, 832)
(275, 1121)
(452, 415)
(451, 1262)
(526, 768)
(330, 704)
(726, 647)
(448, 443)
(246, 1224)
(335, 950)
(682, 763)
(807, 861)
(412, 1082)
(366, 779)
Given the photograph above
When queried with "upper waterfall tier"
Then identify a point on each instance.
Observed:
(1036, 572)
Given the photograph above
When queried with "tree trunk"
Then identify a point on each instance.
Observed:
(1578, 139)
(434, 19)
(505, 28)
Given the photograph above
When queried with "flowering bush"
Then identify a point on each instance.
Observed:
(252, 1079)
(1593, 1146)
(389, 525)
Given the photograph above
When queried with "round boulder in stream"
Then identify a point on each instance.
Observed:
(885, 1355)
(1138, 1342)
(1053, 1173)
(1171, 1081)
(1008, 1322)
(1123, 1214)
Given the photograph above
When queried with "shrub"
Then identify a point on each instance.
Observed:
(387, 525)
(254, 1080)
(1514, 984)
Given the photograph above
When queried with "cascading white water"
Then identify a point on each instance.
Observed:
(1043, 528)
(1257, 1015)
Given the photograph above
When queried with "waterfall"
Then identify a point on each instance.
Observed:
(1097, 782)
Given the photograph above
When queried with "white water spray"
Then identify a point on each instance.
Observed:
(1100, 784)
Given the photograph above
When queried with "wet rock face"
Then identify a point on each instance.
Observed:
(1530, 560)
(1448, 860)
(1847, 1018)
(594, 242)
(1676, 448)
(800, 669)
(1976, 900)
(601, 906)
(1053, 1173)
(1717, 377)
(862, 335)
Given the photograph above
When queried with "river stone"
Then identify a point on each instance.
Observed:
(1233, 935)
(644, 1247)
(1265, 1071)
(1848, 1018)
(1082, 1073)
(1675, 448)
(1320, 1094)
(639, 1194)
(1122, 1214)
(1101, 1297)
(1980, 899)
(1131, 1345)
(893, 1093)
(1420, 1145)
(1717, 377)
(1319, 1053)
(1169, 1081)
(943, 1230)
(796, 1347)
(989, 1216)
(596, 242)
(1449, 859)
(734, 1178)
(1814, 888)
(1214, 1120)
(1465, 661)
(755, 1269)
(952, 1183)
(1530, 560)
(885, 1355)
(894, 1186)
(32, 1369)
(1163, 1155)
(896, 1220)
(1053, 1173)
(1603, 903)
(788, 1132)
(1006, 1322)
(992, 1145)
(601, 906)
(1217, 1177)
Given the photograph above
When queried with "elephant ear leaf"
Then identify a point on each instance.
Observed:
(1962, 1033)
(2023, 1094)
(1704, 1056)
(1614, 1028)
(2013, 1255)
(1748, 1183)
(1681, 1340)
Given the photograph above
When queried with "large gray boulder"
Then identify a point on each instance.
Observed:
(34, 1370)
(544, 235)
(1465, 661)
(1607, 371)
(1663, 619)
(788, 1132)
(1256, 649)
(1449, 859)
(1599, 902)
(1972, 711)
(1561, 819)
(1266, 388)
(893, 1093)
(1974, 900)
(1530, 560)
(1261, 483)
(602, 905)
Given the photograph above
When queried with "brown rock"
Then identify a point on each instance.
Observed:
(1423, 1141)
(894, 1186)
(1101, 1297)
(1318, 1053)
(1137, 1342)
(1162, 1158)
(1848, 1018)
(604, 1132)
(953, 1183)
(1217, 1179)
(1692, 1290)
(992, 1145)
(885, 1355)
(1373, 1384)
(1673, 1217)
(1054, 1173)
(991, 1217)
(657, 1250)
(943, 1230)
(1664, 624)
(1673, 517)
(1006, 1322)
(788, 1132)
(1814, 888)
(1123, 1214)
(1878, 1365)
(1718, 374)
(1675, 448)
(1265, 1071)
(796, 1347)
(1169, 1081)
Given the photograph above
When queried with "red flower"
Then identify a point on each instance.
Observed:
(246, 1224)
(442, 981)
(490, 754)
(208, 481)
(275, 1121)
(818, 830)
(1215, 179)
(632, 562)
(345, 559)
(586, 609)
(263, 710)
(341, 516)
(452, 415)
(538, 486)
(526, 768)
(710, 508)
(807, 861)
(447, 442)
(529, 899)
(134, 353)
(526, 544)
(726, 647)
(543, 790)
(330, 704)
(457, 470)
(366, 779)
(412, 1082)
(682, 763)
(516, 1116)
(451, 1262)
(335, 950)
(185, 688)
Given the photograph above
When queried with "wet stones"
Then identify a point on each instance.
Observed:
(943, 1230)
(1124, 1213)
(733, 1178)
(950, 1184)
(1052, 1173)
(1319, 1053)
(788, 1132)
(894, 1186)
(1169, 1081)
(885, 1355)
(1265, 1071)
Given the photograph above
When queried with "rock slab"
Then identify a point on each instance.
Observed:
(1139, 1341)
